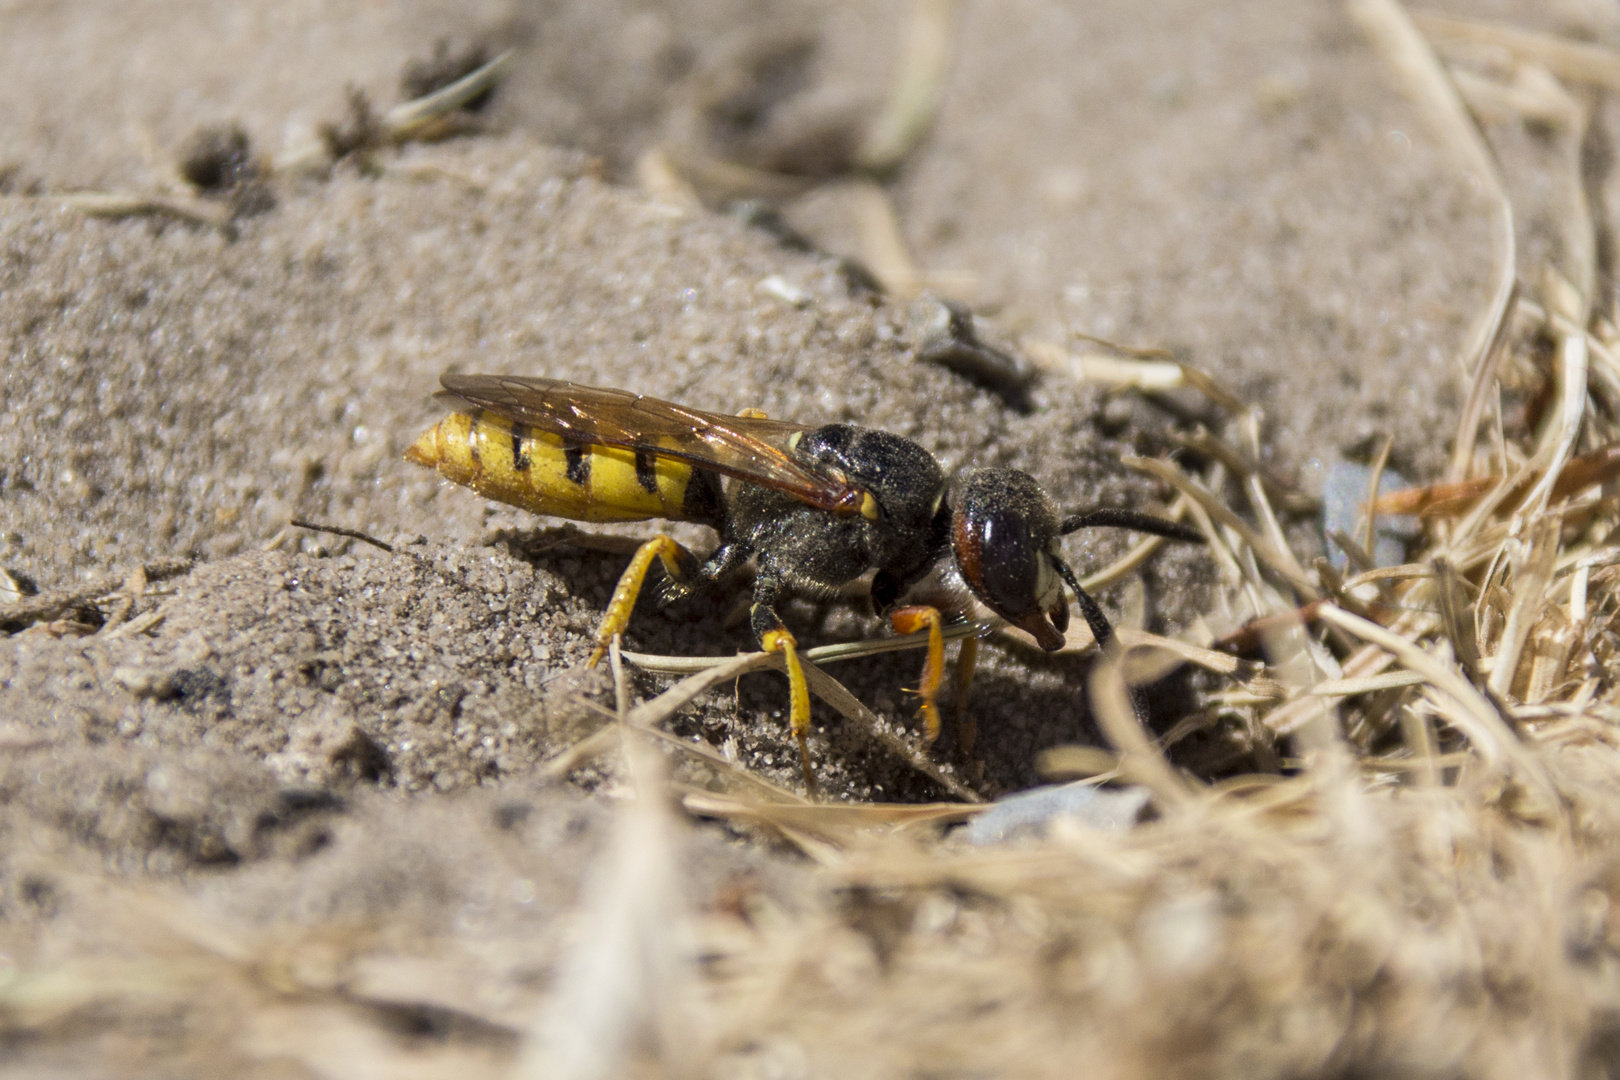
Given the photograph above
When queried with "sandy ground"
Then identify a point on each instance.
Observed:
(319, 727)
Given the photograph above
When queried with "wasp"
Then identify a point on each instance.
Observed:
(813, 508)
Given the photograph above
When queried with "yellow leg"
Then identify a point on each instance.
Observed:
(966, 730)
(780, 640)
(629, 587)
(909, 620)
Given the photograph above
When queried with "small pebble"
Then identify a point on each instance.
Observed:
(144, 682)
(1344, 491)
(1028, 813)
(784, 290)
(950, 339)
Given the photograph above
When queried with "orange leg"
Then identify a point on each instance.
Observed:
(966, 660)
(780, 640)
(908, 620)
(625, 592)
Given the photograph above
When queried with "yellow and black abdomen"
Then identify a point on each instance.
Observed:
(539, 472)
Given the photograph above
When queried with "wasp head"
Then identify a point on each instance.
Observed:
(1005, 536)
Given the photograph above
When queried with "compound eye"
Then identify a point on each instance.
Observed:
(1009, 566)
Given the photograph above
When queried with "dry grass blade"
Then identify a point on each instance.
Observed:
(1404, 572)
(1480, 389)
(1455, 618)
(925, 63)
(1059, 763)
(625, 985)
(1078, 639)
(1206, 384)
(400, 124)
(1580, 473)
(662, 707)
(621, 685)
(1367, 663)
(57, 603)
(731, 769)
(1572, 367)
(883, 247)
(583, 752)
(1255, 489)
(833, 823)
(1365, 684)
(1472, 528)
(821, 654)
(712, 672)
(1369, 531)
(823, 842)
(407, 118)
(1533, 97)
(1139, 553)
(1239, 463)
(718, 181)
(833, 693)
(1280, 561)
(1388, 25)
(658, 176)
(1475, 716)
(1573, 60)
(1532, 560)
(1140, 758)
(1298, 664)
(119, 204)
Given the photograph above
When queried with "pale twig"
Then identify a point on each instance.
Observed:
(1391, 30)
(1103, 368)
(339, 530)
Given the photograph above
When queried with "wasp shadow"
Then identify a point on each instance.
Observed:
(1021, 702)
